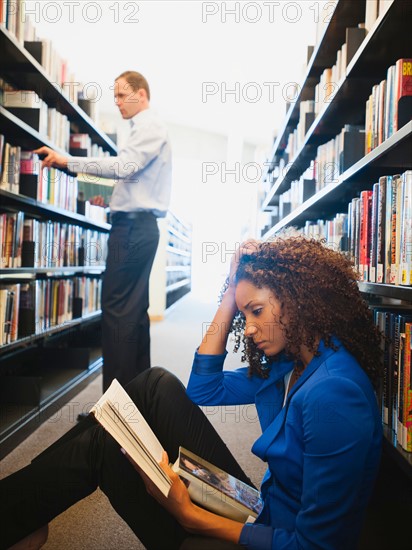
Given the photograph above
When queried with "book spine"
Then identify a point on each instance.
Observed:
(365, 234)
(403, 99)
(380, 244)
(374, 215)
(387, 215)
(392, 223)
(407, 396)
(406, 230)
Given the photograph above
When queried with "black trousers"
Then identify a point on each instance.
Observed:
(132, 246)
(87, 457)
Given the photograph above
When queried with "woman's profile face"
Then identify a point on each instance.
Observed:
(262, 311)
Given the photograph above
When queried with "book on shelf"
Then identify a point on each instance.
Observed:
(389, 106)
(211, 488)
(403, 93)
(405, 246)
(391, 322)
(403, 358)
(380, 230)
(11, 239)
(10, 173)
(9, 307)
(365, 234)
(374, 240)
(376, 231)
(406, 388)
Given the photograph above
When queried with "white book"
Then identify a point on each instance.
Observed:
(209, 486)
(22, 98)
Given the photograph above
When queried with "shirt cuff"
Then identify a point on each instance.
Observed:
(208, 364)
(256, 536)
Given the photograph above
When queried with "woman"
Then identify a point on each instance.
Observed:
(313, 352)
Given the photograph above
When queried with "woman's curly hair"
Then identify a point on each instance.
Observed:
(317, 288)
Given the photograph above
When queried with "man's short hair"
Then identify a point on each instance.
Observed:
(136, 81)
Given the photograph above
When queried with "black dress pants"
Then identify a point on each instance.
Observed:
(87, 457)
(132, 246)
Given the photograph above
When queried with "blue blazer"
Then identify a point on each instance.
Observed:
(322, 447)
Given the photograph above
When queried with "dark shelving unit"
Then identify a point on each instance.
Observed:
(21, 69)
(387, 41)
(41, 372)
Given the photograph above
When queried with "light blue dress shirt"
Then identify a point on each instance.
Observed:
(142, 170)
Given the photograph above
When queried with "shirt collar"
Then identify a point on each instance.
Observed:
(133, 120)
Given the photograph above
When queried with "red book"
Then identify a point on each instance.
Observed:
(403, 97)
(365, 234)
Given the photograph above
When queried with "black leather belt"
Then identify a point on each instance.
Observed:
(117, 216)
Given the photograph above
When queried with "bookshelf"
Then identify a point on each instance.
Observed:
(386, 41)
(171, 274)
(53, 356)
(19, 67)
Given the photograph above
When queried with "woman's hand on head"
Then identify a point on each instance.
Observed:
(246, 247)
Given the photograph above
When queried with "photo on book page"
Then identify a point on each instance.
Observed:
(221, 481)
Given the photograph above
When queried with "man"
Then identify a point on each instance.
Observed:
(142, 171)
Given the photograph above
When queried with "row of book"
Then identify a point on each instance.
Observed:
(396, 394)
(326, 89)
(28, 309)
(81, 145)
(333, 232)
(329, 80)
(332, 159)
(380, 230)
(389, 106)
(31, 109)
(28, 242)
(21, 173)
(373, 10)
(376, 231)
(337, 155)
(15, 18)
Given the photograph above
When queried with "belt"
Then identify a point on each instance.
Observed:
(117, 216)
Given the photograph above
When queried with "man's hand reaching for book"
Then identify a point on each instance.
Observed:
(52, 159)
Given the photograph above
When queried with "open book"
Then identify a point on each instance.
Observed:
(216, 490)
(208, 486)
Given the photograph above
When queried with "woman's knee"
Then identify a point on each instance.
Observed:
(154, 381)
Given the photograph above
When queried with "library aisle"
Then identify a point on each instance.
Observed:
(92, 524)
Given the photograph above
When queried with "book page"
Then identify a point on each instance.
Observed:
(124, 406)
(220, 480)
